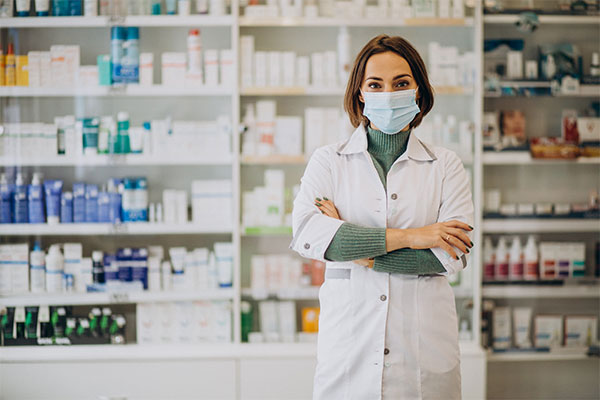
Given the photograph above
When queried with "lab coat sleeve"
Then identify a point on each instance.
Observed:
(456, 204)
(313, 231)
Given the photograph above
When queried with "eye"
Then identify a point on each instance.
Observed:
(374, 85)
(402, 84)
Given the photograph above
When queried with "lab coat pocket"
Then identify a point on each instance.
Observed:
(438, 326)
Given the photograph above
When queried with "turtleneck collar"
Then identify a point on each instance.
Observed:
(382, 143)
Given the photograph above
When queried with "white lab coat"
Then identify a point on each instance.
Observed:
(383, 336)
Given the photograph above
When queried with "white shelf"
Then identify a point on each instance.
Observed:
(114, 91)
(533, 225)
(539, 356)
(274, 160)
(584, 90)
(524, 158)
(351, 22)
(544, 19)
(105, 21)
(133, 228)
(334, 91)
(301, 293)
(534, 292)
(113, 297)
(119, 160)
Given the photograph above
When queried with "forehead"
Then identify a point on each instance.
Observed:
(386, 66)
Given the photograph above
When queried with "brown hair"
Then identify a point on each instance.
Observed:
(382, 44)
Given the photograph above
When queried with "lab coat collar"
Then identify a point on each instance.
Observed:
(357, 143)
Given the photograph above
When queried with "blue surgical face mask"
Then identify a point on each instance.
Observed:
(390, 111)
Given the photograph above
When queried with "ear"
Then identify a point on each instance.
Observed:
(360, 97)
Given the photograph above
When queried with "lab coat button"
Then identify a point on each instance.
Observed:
(306, 246)
(383, 297)
(387, 364)
(386, 351)
(394, 196)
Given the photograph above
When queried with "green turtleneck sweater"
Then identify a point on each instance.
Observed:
(353, 242)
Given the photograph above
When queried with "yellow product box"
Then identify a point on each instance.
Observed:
(22, 71)
(2, 69)
(310, 319)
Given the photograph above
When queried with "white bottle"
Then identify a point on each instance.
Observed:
(501, 262)
(550, 67)
(166, 274)
(343, 50)
(55, 268)
(515, 271)
(531, 267)
(37, 269)
(595, 65)
(489, 260)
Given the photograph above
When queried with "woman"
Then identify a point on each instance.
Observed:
(391, 216)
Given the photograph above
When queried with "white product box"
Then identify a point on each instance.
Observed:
(548, 260)
(88, 76)
(580, 331)
(577, 259)
(202, 328)
(302, 71)
(147, 323)
(314, 129)
(227, 68)
(34, 66)
(222, 317)
(268, 313)
(211, 67)
(502, 328)
(266, 110)
(46, 78)
(287, 319)
(548, 331)
(258, 273)
(165, 314)
(247, 60)
(260, 69)
(514, 64)
(146, 69)
(14, 268)
(274, 60)
(317, 65)
(588, 127)
(58, 66)
(72, 61)
(173, 69)
(288, 62)
(183, 321)
(212, 203)
(288, 135)
(330, 68)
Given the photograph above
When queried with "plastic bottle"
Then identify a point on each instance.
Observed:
(489, 260)
(37, 269)
(130, 64)
(5, 200)
(22, 7)
(531, 271)
(35, 196)
(97, 267)
(343, 50)
(19, 201)
(122, 143)
(202, 6)
(55, 269)
(595, 65)
(550, 67)
(501, 262)
(117, 38)
(194, 50)
(10, 66)
(516, 260)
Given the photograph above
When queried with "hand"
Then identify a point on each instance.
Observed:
(326, 207)
(443, 235)
(365, 262)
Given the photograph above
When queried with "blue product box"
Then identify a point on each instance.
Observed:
(35, 197)
(111, 268)
(66, 208)
(104, 207)
(124, 259)
(91, 203)
(139, 271)
(78, 202)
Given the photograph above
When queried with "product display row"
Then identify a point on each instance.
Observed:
(541, 261)
(90, 8)
(269, 205)
(63, 269)
(495, 208)
(272, 272)
(356, 9)
(60, 325)
(60, 67)
(511, 329)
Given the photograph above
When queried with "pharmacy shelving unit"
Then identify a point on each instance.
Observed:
(236, 370)
(523, 179)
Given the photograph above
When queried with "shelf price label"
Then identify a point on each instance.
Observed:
(119, 297)
(118, 229)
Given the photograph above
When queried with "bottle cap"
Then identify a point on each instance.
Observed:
(118, 32)
(123, 116)
(97, 256)
(194, 32)
(133, 33)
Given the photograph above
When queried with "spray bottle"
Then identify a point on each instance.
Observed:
(531, 270)
(501, 265)
(37, 269)
(516, 260)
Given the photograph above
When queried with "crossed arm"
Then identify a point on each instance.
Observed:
(389, 250)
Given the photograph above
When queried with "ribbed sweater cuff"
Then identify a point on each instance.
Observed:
(409, 262)
(353, 242)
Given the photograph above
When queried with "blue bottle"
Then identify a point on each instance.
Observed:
(115, 199)
(91, 203)
(75, 7)
(5, 200)
(130, 65)
(78, 202)
(60, 8)
(118, 34)
(19, 201)
(35, 196)
(66, 208)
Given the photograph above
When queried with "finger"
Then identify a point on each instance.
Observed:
(458, 244)
(328, 206)
(461, 235)
(448, 249)
(326, 211)
(458, 224)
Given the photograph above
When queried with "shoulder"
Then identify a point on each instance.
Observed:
(444, 157)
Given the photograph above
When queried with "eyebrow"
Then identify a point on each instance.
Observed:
(396, 77)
